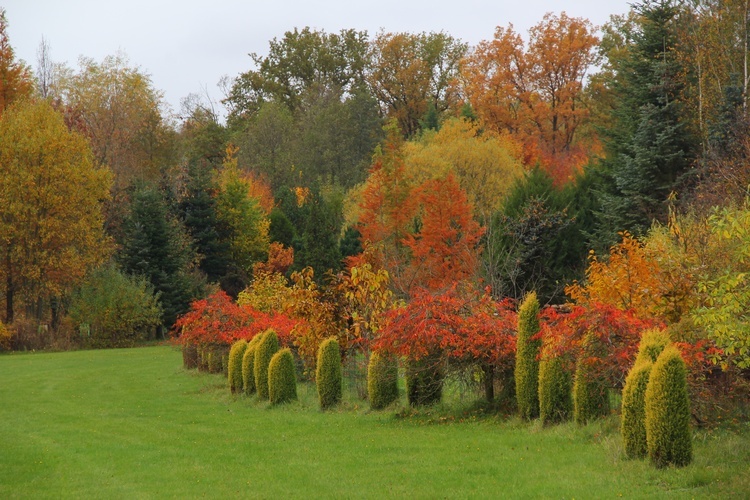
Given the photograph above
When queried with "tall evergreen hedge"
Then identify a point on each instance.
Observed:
(234, 370)
(282, 381)
(382, 380)
(267, 346)
(668, 435)
(328, 373)
(651, 345)
(633, 421)
(590, 394)
(527, 350)
(248, 366)
(555, 400)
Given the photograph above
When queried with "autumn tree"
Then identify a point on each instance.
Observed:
(410, 71)
(15, 77)
(51, 196)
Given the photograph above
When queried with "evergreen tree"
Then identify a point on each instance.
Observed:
(155, 245)
(320, 241)
(649, 148)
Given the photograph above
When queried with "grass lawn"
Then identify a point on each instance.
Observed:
(131, 423)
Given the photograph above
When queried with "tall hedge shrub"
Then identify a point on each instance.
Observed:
(555, 400)
(267, 346)
(382, 380)
(248, 366)
(328, 373)
(651, 345)
(527, 350)
(668, 436)
(424, 380)
(633, 420)
(234, 370)
(590, 394)
(282, 381)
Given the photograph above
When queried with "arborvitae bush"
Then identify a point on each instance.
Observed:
(633, 424)
(527, 350)
(328, 373)
(668, 436)
(248, 366)
(268, 345)
(652, 344)
(590, 394)
(382, 380)
(190, 357)
(282, 381)
(555, 401)
(234, 375)
(424, 380)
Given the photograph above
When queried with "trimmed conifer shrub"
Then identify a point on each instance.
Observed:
(555, 401)
(424, 380)
(652, 344)
(234, 370)
(328, 373)
(282, 381)
(668, 436)
(633, 420)
(527, 350)
(267, 346)
(590, 394)
(382, 380)
(248, 366)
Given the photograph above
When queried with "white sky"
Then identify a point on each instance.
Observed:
(188, 45)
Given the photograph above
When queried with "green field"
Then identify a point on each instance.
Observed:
(133, 424)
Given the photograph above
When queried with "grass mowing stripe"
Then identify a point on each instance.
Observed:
(132, 423)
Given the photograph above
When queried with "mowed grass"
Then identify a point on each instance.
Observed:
(133, 424)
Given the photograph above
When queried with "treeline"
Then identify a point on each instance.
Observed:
(514, 159)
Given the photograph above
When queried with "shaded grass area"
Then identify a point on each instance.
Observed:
(132, 423)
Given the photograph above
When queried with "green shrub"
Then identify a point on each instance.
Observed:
(651, 345)
(382, 380)
(282, 382)
(668, 436)
(248, 366)
(424, 380)
(328, 373)
(633, 422)
(267, 346)
(527, 350)
(590, 394)
(555, 402)
(234, 370)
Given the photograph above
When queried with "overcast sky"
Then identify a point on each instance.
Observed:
(189, 45)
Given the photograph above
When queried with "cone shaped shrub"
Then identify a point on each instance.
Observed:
(267, 346)
(651, 345)
(527, 350)
(248, 366)
(382, 380)
(328, 374)
(590, 395)
(633, 422)
(668, 436)
(282, 382)
(555, 400)
(424, 380)
(234, 370)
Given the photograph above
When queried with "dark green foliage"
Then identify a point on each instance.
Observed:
(590, 394)
(282, 381)
(633, 425)
(115, 310)
(320, 242)
(234, 369)
(431, 119)
(328, 373)
(351, 243)
(155, 246)
(382, 380)
(652, 344)
(668, 411)
(281, 229)
(555, 400)
(527, 366)
(267, 346)
(424, 380)
(248, 366)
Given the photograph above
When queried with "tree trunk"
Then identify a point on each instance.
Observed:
(489, 382)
